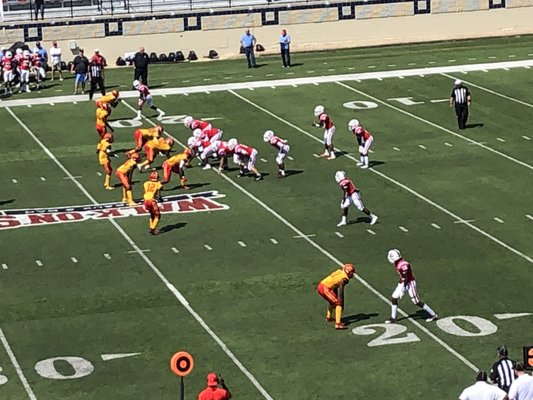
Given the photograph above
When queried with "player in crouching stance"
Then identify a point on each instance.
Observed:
(244, 156)
(281, 146)
(145, 97)
(364, 139)
(324, 121)
(152, 188)
(407, 284)
(331, 288)
(351, 196)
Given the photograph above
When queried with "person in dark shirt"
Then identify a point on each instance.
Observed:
(140, 62)
(80, 67)
(95, 75)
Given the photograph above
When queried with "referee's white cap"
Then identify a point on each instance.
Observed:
(458, 82)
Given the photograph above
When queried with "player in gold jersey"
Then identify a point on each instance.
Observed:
(124, 173)
(331, 288)
(177, 163)
(141, 136)
(154, 146)
(152, 190)
(112, 99)
(102, 115)
(103, 149)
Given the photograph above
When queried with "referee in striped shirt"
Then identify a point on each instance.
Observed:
(461, 99)
(502, 372)
(97, 78)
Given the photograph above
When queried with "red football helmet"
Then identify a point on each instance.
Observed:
(169, 141)
(349, 269)
(154, 176)
(109, 137)
(115, 93)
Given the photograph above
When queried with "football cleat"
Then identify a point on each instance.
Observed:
(340, 326)
(432, 318)
(342, 223)
(330, 319)
(258, 177)
(364, 166)
(207, 166)
(373, 219)
(161, 114)
(359, 163)
(137, 118)
(391, 321)
(325, 154)
(331, 157)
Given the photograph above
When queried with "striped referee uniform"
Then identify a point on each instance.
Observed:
(502, 373)
(461, 99)
(96, 76)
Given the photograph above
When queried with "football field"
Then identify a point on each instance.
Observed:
(93, 307)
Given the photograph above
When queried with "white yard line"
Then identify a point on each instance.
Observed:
(177, 294)
(16, 364)
(471, 141)
(397, 183)
(287, 82)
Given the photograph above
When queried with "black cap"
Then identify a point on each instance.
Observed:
(519, 367)
(481, 376)
(502, 350)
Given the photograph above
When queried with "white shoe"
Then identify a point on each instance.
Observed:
(358, 163)
(161, 115)
(28, 90)
(207, 166)
(342, 223)
(332, 156)
(137, 118)
(324, 154)
(364, 166)
(373, 220)
(139, 166)
(433, 318)
(147, 167)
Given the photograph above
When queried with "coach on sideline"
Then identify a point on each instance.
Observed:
(462, 99)
(140, 62)
(248, 42)
(482, 390)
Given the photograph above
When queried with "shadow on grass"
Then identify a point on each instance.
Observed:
(191, 186)
(3, 202)
(168, 228)
(352, 319)
(476, 125)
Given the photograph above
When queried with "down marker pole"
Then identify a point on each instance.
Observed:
(182, 364)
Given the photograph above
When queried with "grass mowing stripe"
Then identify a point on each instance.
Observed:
(492, 92)
(301, 235)
(149, 262)
(471, 141)
(394, 181)
(16, 364)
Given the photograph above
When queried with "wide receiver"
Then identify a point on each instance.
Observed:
(281, 146)
(350, 195)
(145, 97)
(331, 288)
(152, 188)
(407, 284)
(364, 139)
(324, 121)
(103, 149)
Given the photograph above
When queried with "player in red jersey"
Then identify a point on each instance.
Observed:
(145, 97)
(7, 64)
(407, 284)
(24, 67)
(194, 124)
(37, 65)
(324, 121)
(364, 139)
(350, 196)
(281, 146)
(245, 156)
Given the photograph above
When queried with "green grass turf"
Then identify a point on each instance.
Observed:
(260, 299)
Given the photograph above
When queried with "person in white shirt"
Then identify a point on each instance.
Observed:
(522, 386)
(55, 60)
(482, 390)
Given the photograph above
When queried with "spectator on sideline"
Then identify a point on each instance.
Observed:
(284, 43)
(55, 57)
(502, 371)
(482, 390)
(44, 55)
(95, 75)
(213, 391)
(140, 62)
(248, 41)
(522, 387)
(39, 5)
(80, 66)
(462, 99)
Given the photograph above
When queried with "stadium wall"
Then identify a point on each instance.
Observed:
(312, 26)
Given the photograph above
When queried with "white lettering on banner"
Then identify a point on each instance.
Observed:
(360, 105)
(406, 101)
(81, 368)
(176, 204)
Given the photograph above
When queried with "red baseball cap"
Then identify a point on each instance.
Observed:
(212, 379)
